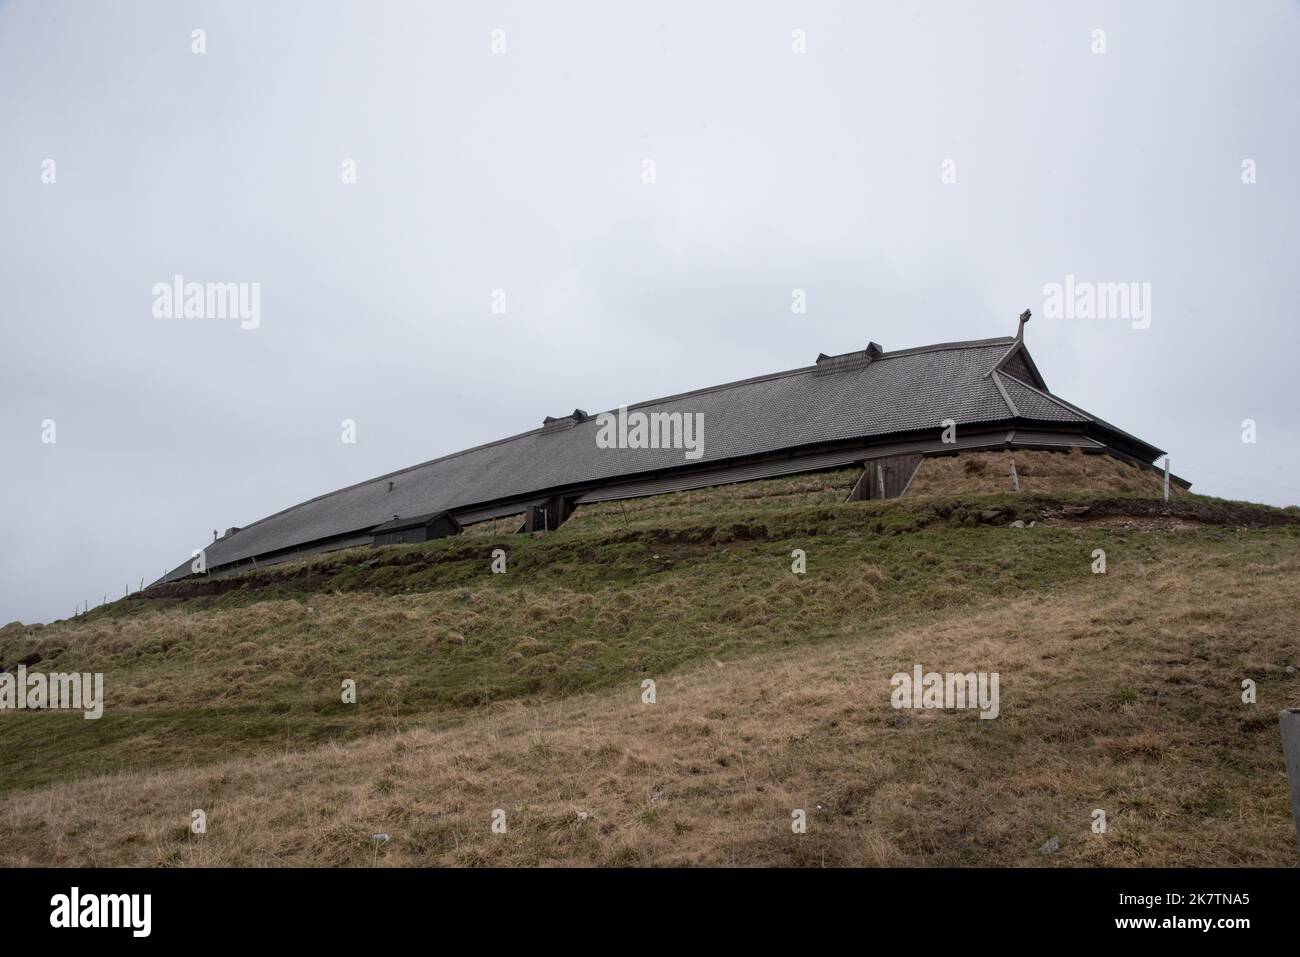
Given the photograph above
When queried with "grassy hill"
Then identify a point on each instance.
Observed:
(521, 692)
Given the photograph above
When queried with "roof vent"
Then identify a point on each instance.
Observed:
(552, 424)
(874, 350)
(850, 360)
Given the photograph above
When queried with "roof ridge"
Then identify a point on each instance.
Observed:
(897, 353)
(946, 346)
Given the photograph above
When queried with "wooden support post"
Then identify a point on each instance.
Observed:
(532, 521)
(862, 487)
(1166, 478)
(1290, 723)
(1015, 479)
(880, 480)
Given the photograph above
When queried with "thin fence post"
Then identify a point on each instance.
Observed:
(1290, 724)
(1166, 478)
(1015, 479)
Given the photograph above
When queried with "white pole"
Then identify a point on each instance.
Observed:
(1166, 478)
(1015, 479)
(880, 480)
(1290, 721)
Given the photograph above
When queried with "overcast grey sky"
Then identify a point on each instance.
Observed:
(522, 171)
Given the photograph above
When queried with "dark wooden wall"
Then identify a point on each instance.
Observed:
(1018, 368)
(402, 536)
(548, 516)
(896, 470)
(440, 527)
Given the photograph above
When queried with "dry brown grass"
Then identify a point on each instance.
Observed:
(987, 473)
(817, 488)
(1128, 701)
(506, 525)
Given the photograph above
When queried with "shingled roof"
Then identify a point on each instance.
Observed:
(858, 397)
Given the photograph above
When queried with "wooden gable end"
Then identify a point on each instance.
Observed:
(1018, 364)
(1017, 367)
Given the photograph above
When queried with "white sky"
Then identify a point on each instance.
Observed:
(522, 171)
